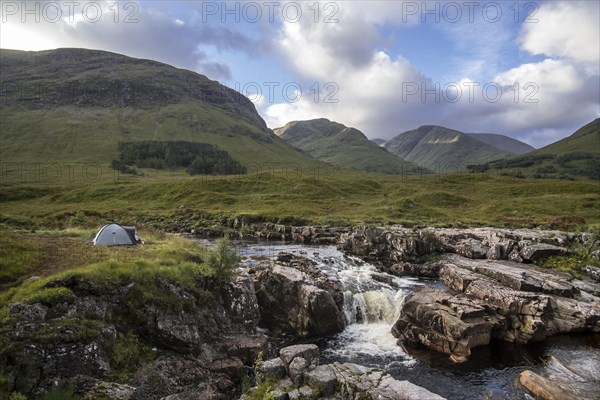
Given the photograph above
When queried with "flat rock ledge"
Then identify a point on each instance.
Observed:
(296, 374)
(394, 244)
(493, 300)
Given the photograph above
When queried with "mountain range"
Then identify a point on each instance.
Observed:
(436, 147)
(342, 146)
(82, 106)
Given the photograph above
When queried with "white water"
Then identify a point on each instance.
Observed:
(372, 301)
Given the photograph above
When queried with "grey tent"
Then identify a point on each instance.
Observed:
(116, 235)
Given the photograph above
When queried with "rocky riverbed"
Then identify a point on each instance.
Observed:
(494, 290)
(481, 288)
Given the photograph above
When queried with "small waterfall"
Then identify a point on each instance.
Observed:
(372, 306)
(372, 303)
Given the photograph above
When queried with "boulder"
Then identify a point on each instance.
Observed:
(294, 297)
(445, 323)
(472, 248)
(296, 370)
(534, 252)
(323, 379)
(499, 300)
(309, 352)
(270, 369)
(358, 382)
(543, 388)
(245, 347)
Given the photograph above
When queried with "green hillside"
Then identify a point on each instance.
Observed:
(436, 147)
(342, 146)
(574, 157)
(503, 143)
(76, 105)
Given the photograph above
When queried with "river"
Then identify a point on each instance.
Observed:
(372, 304)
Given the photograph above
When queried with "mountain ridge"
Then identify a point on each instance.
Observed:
(502, 142)
(341, 146)
(435, 146)
(575, 156)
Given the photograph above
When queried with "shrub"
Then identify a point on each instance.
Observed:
(222, 262)
(126, 355)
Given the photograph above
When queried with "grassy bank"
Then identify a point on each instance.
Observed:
(163, 256)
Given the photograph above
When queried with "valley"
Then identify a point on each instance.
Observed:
(303, 262)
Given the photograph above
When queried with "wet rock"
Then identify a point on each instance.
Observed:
(358, 382)
(302, 303)
(445, 323)
(389, 246)
(565, 379)
(542, 388)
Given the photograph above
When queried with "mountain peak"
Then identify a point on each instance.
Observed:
(99, 99)
(342, 146)
(435, 146)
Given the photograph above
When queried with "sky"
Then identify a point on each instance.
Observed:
(529, 70)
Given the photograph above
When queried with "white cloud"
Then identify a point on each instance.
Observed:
(565, 29)
(370, 82)
(134, 29)
(562, 93)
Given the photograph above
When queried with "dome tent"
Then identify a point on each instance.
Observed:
(116, 235)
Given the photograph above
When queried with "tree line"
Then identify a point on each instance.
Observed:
(196, 158)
